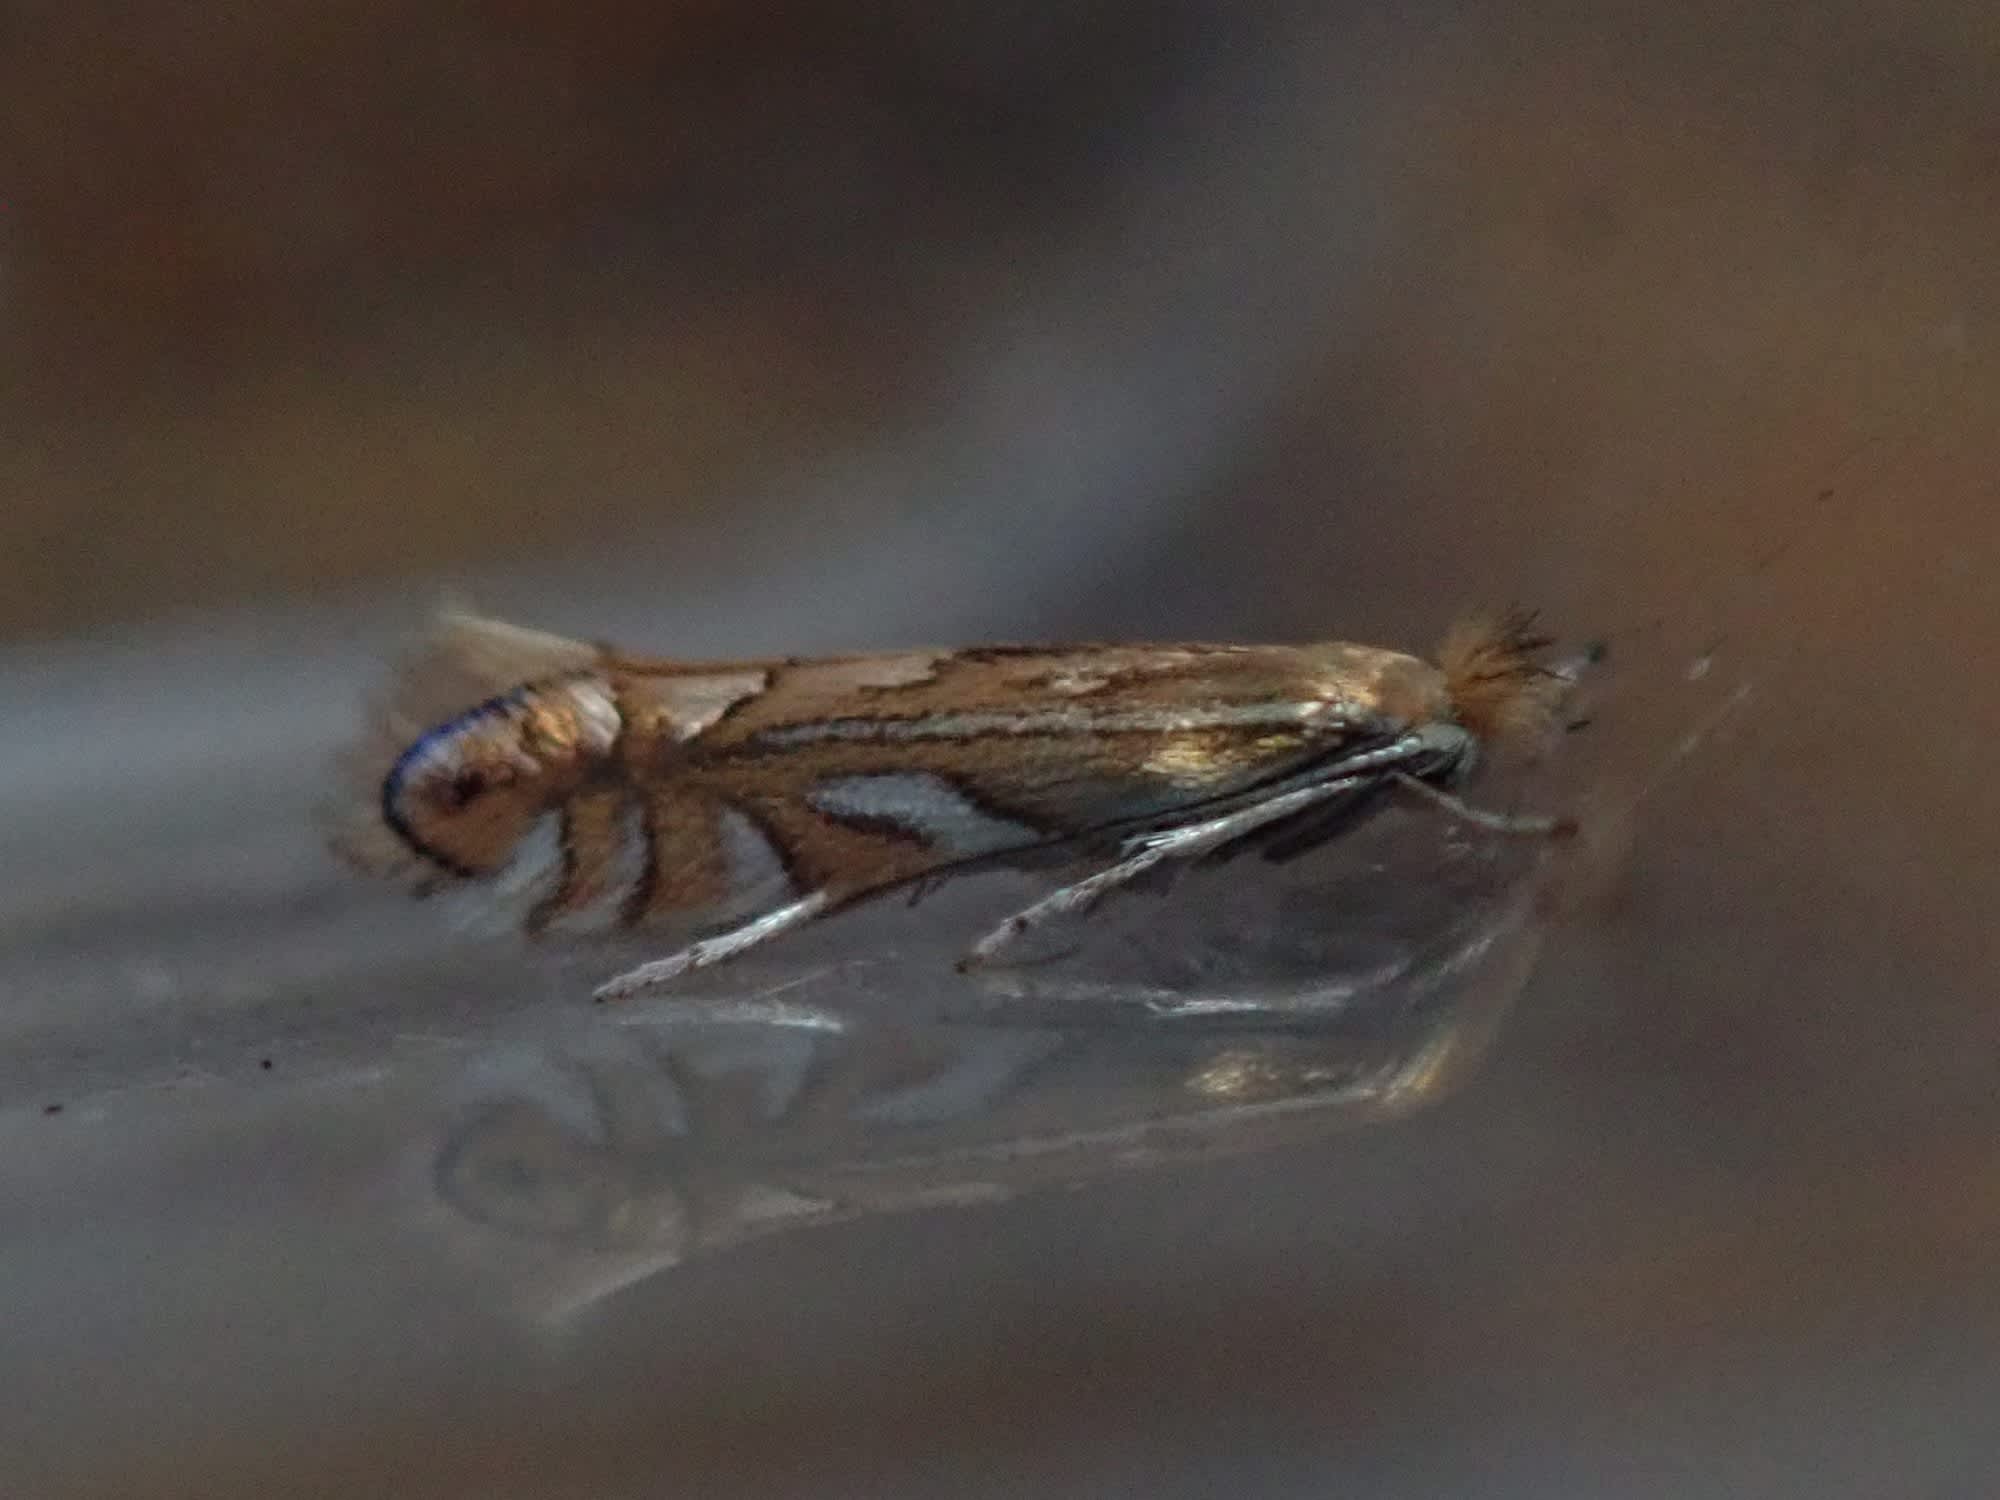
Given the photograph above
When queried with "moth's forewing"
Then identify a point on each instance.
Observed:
(862, 774)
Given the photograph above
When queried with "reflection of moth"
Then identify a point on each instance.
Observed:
(569, 1169)
(603, 792)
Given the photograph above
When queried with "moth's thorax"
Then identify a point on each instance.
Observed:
(467, 792)
(1389, 685)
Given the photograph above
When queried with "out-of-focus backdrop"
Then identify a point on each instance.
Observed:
(745, 328)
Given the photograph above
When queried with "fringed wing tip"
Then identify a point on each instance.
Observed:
(458, 662)
(1499, 687)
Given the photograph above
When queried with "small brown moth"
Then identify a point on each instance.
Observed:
(605, 792)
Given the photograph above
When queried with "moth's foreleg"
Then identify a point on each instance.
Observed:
(1185, 842)
(1524, 825)
(713, 950)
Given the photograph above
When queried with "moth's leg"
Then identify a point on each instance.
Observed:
(712, 950)
(1188, 841)
(1525, 825)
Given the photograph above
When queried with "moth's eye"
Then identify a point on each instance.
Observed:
(469, 784)
(469, 806)
(466, 793)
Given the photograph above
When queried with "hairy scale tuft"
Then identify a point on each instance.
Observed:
(1499, 688)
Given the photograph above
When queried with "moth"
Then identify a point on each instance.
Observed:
(593, 791)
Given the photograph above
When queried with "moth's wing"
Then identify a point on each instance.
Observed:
(1101, 824)
(853, 776)
(1280, 840)
(462, 660)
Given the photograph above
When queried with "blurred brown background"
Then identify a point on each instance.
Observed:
(300, 299)
(732, 328)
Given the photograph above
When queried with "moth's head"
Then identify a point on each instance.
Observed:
(465, 793)
(1499, 687)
